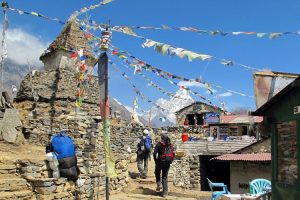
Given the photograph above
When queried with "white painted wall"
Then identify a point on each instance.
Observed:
(244, 172)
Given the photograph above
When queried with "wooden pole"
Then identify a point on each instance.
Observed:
(104, 106)
(4, 5)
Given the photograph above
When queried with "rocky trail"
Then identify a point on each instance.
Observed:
(145, 188)
(13, 186)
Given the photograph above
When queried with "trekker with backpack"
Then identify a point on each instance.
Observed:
(163, 156)
(144, 148)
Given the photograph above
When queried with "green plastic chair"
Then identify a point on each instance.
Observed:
(259, 186)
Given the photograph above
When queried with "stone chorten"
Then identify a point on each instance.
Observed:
(59, 51)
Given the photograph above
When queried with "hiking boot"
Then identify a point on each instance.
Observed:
(158, 187)
(142, 176)
(164, 194)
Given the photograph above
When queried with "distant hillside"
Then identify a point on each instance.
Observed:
(14, 73)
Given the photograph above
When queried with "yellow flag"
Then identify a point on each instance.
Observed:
(110, 169)
(34, 13)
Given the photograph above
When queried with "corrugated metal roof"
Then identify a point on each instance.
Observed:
(239, 119)
(244, 157)
(294, 85)
(212, 147)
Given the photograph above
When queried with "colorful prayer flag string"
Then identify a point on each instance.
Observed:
(21, 12)
(86, 9)
(126, 60)
(73, 16)
(136, 90)
(270, 35)
(166, 49)
(84, 76)
(137, 64)
(151, 83)
(167, 75)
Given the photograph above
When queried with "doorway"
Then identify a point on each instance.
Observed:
(191, 119)
(215, 171)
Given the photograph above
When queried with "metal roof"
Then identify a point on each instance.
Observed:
(199, 102)
(218, 147)
(255, 157)
(261, 110)
(235, 119)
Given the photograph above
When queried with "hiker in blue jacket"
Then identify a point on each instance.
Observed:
(163, 156)
(144, 148)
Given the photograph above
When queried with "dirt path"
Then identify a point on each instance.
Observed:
(145, 188)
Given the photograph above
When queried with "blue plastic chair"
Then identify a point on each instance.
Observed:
(216, 194)
(259, 186)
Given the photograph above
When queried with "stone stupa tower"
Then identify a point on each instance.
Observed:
(59, 51)
(58, 81)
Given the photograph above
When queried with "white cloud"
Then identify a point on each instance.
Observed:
(23, 46)
(226, 94)
(190, 84)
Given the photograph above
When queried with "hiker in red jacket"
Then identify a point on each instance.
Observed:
(163, 156)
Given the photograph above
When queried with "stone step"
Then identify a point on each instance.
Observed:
(9, 175)
(146, 180)
(152, 197)
(13, 184)
(16, 195)
(8, 170)
(60, 195)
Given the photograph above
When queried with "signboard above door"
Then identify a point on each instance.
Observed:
(212, 118)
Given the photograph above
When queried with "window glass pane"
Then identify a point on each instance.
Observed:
(287, 152)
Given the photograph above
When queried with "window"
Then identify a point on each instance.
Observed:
(191, 119)
(199, 119)
(287, 152)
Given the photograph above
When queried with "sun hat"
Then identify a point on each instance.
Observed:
(146, 132)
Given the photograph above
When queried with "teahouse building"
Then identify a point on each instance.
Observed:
(282, 112)
(194, 114)
(235, 126)
(247, 164)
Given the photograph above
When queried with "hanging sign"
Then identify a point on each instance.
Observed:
(212, 118)
(296, 110)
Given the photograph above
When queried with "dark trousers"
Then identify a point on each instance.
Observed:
(162, 168)
(142, 163)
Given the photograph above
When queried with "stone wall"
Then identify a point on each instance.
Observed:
(185, 172)
(84, 129)
(262, 146)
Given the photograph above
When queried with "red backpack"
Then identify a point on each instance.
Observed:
(167, 154)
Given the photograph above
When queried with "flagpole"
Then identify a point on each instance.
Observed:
(4, 5)
(104, 107)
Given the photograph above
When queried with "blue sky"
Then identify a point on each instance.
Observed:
(281, 54)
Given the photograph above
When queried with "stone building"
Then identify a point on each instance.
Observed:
(194, 114)
(281, 112)
(236, 126)
(247, 164)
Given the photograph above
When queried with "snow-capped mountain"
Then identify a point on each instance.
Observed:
(167, 117)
